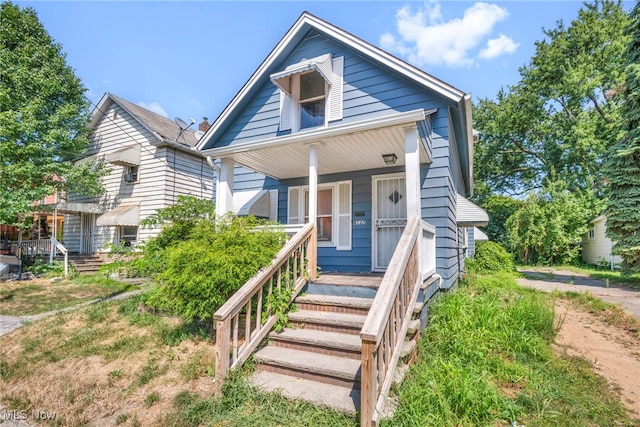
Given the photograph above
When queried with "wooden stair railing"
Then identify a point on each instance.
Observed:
(245, 320)
(386, 325)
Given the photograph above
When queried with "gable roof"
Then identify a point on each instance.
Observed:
(166, 131)
(297, 32)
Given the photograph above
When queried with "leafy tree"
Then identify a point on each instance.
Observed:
(499, 208)
(558, 121)
(623, 163)
(179, 219)
(43, 116)
(548, 228)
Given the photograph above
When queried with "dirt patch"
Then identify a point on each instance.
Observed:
(105, 373)
(613, 353)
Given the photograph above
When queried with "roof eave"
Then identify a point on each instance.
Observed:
(296, 31)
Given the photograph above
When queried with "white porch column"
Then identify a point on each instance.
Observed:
(224, 187)
(412, 170)
(313, 185)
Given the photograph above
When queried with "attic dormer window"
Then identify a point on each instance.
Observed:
(312, 100)
(310, 93)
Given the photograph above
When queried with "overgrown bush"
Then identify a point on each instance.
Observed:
(202, 271)
(490, 257)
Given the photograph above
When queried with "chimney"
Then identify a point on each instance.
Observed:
(204, 126)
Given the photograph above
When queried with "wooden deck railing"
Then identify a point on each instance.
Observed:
(245, 319)
(386, 324)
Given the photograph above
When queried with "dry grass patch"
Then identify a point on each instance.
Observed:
(107, 364)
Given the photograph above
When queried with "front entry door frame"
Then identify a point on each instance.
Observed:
(87, 221)
(393, 223)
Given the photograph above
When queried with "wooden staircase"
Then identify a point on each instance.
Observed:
(318, 358)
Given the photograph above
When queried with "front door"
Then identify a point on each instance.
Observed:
(86, 233)
(389, 217)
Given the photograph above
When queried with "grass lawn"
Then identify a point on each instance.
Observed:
(19, 298)
(486, 359)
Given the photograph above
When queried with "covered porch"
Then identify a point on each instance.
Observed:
(302, 163)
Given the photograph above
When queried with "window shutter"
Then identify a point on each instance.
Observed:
(273, 205)
(285, 111)
(335, 93)
(293, 211)
(343, 242)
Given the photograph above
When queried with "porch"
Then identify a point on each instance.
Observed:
(352, 335)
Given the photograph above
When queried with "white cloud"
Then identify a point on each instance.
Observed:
(426, 38)
(497, 47)
(155, 107)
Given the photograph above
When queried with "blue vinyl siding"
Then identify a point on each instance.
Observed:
(369, 91)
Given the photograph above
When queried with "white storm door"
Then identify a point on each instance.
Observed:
(86, 233)
(389, 217)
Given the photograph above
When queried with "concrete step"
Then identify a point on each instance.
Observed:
(329, 343)
(327, 321)
(342, 399)
(334, 303)
(338, 371)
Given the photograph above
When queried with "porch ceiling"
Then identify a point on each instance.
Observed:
(338, 149)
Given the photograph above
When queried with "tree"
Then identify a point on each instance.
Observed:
(43, 117)
(548, 228)
(558, 121)
(623, 162)
(499, 208)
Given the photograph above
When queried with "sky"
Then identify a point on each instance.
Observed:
(189, 59)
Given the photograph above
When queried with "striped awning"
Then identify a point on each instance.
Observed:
(322, 64)
(128, 156)
(468, 214)
(120, 215)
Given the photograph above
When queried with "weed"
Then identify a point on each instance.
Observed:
(151, 398)
(121, 419)
(151, 370)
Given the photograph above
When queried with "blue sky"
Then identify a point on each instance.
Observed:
(188, 59)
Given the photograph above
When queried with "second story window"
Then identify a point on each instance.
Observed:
(131, 174)
(312, 100)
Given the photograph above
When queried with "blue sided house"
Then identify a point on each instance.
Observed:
(334, 132)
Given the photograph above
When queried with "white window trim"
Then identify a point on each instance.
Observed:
(333, 96)
(591, 234)
(335, 212)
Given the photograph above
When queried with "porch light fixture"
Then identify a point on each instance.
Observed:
(390, 159)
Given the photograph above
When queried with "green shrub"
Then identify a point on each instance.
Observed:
(201, 272)
(490, 257)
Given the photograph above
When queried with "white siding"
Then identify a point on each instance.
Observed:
(164, 174)
(598, 249)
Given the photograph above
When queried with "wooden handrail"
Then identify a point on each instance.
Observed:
(292, 268)
(386, 325)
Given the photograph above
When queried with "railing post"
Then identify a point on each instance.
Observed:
(222, 348)
(312, 253)
(369, 383)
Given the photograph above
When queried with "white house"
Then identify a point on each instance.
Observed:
(596, 246)
(151, 161)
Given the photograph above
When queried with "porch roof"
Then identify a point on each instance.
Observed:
(74, 207)
(341, 148)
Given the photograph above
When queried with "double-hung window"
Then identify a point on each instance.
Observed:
(310, 93)
(334, 212)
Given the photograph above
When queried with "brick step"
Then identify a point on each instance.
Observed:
(327, 321)
(338, 371)
(322, 342)
(334, 303)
